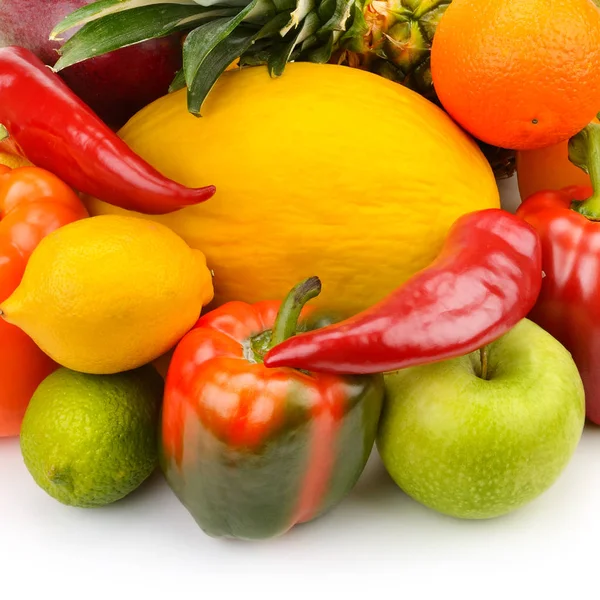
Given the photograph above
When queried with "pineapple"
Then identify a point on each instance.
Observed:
(389, 37)
(396, 41)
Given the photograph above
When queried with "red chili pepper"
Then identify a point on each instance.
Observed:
(569, 303)
(55, 130)
(485, 280)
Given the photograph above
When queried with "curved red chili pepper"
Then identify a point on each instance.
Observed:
(485, 280)
(298, 441)
(55, 130)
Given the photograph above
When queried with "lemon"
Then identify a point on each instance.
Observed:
(90, 440)
(110, 293)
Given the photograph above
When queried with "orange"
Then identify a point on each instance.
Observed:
(519, 74)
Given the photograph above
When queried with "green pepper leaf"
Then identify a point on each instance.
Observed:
(102, 8)
(131, 27)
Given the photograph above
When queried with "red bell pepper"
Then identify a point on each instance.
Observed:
(485, 280)
(33, 203)
(49, 125)
(252, 451)
(569, 303)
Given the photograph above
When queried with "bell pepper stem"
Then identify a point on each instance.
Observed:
(584, 152)
(3, 133)
(286, 322)
(483, 357)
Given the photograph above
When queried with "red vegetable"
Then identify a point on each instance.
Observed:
(484, 281)
(33, 204)
(55, 130)
(569, 303)
(252, 451)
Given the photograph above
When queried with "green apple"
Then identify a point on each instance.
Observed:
(475, 444)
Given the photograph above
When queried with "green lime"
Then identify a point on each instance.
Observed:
(89, 440)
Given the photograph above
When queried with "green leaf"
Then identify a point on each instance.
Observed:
(282, 53)
(322, 54)
(131, 27)
(310, 26)
(178, 82)
(283, 5)
(203, 40)
(215, 64)
(234, 46)
(262, 13)
(260, 51)
(102, 8)
(303, 8)
(359, 27)
(338, 20)
(257, 54)
(274, 26)
(326, 9)
(280, 56)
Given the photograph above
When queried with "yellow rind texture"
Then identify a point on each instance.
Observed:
(326, 171)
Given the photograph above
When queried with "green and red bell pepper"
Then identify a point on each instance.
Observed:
(252, 451)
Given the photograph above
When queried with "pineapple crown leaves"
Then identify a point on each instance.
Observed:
(219, 32)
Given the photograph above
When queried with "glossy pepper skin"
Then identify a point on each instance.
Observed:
(569, 303)
(485, 280)
(49, 125)
(252, 451)
(33, 203)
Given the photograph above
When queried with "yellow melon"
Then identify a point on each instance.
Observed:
(326, 171)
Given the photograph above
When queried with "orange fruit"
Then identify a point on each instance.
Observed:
(519, 74)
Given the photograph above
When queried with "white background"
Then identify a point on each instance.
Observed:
(378, 542)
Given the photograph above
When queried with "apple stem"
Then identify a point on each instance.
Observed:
(483, 356)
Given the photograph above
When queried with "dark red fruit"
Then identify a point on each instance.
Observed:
(115, 85)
